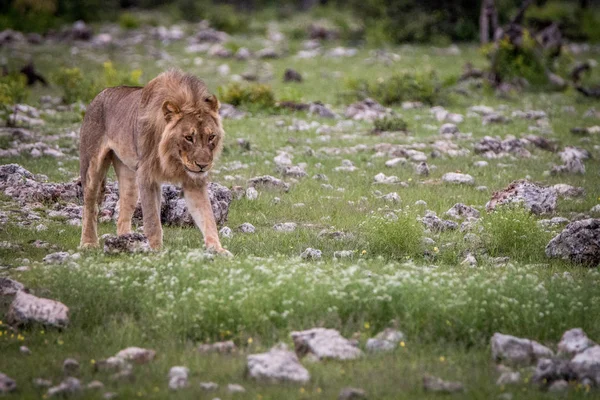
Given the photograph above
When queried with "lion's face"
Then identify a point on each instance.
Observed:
(192, 141)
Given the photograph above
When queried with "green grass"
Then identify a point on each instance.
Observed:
(173, 300)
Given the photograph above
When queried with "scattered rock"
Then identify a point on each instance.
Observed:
(112, 364)
(25, 350)
(517, 351)
(586, 365)
(456, 178)
(251, 193)
(324, 344)
(226, 232)
(178, 377)
(27, 308)
(70, 367)
(268, 182)
(137, 354)
(460, 211)
(229, 111)
(9, 288)
(573, 342)
(509, 378)
(386, 340)
(226, 347)
(285, 227)
(395, 162)
(37, 382)
(536, 198)
(311, 254)
(422, 169)
(235, 388)
(95, 385)
(320, 110)
(70, 386)
(436, 224)
(448, 129)
(579, 242)
(127, 243)
(558, 386)
(549, 370)
(368, 109)
(567, 191)
(7, 384)
(56, 258)
(209, 386)
(246, 227)
(277, 365)
(392, 197)
(351, 393)
(435, 384)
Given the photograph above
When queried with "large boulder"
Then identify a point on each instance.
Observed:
(518, 351)
(127, 243)
(586, 365)
(277, 365)
(27, 308)
(324, 344)
(579, 242)
(536, 198)
(573, 342)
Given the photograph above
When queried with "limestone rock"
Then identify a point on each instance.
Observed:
(7, 384)
(579, 242)
(127, 243)
(70, 386)
(456, 178)
(435, 384)
(460, 211)
(324, 343)
(137, 354)
(517, 351)
(277, 365)
(536, 198)
(27, 308)
(587, 364)
(573, 342)
(350, 393)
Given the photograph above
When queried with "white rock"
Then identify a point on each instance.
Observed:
(324, 344)
(311, 254)
(277, 365)
(517, 350)
(587, 364)
(137, 354)
(27, 308)
(7, 384)
(285, 227)
(251, 193)
(226, 232)
(456, 178)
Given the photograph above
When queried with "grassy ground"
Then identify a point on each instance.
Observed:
(176, 299)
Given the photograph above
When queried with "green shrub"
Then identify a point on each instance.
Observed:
(248, 95)
(394, 239)
(514, 232)
(406, 86)
(525, 61)
(393, 124)
(78, 87)
(13, 89)
(129, 21)
(226, 18)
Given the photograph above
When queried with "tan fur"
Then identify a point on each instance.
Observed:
(168, 131)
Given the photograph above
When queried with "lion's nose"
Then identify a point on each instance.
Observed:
(202, 166)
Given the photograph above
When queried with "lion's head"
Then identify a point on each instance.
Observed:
(185, 123)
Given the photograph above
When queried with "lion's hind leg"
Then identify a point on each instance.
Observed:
(128, 195)
(92, 196)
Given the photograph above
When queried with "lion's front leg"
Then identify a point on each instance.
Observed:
(198, 204)
(150, 195)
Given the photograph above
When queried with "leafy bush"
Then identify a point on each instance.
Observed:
(390, 124)
(13, 89)
(406, 86)
(77, 87)
(525, 61)
(253, 96)
(394, 239)
(129, 21)
(225, 18)
(513, 231)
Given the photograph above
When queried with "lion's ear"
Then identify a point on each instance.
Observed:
(213, 102)
(170, 110)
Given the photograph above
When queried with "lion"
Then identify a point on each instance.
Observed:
(167, 131)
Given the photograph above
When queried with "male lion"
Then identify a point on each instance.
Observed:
(169, 130)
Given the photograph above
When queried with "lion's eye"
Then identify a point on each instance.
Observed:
(211, 138)
(189, 138)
